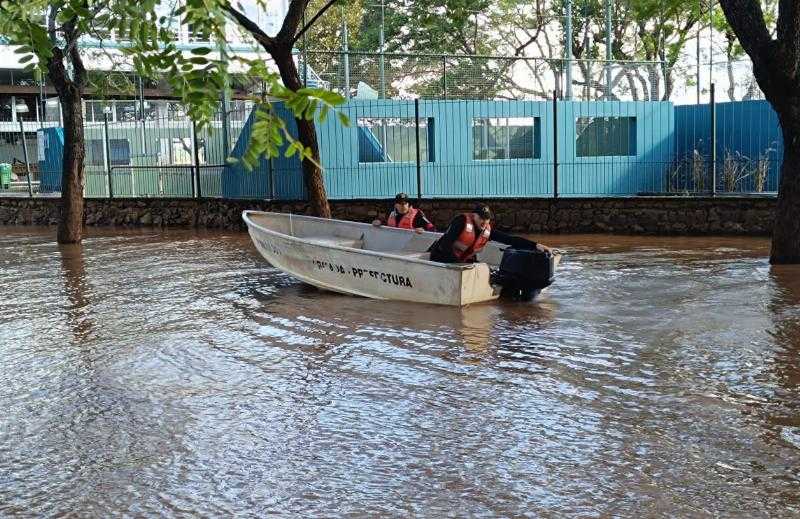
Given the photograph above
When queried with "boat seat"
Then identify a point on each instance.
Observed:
(414, 254)
(337, 241)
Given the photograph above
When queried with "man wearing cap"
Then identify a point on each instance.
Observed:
(404, 216)
(469, 233)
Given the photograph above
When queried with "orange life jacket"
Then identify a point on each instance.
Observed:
(404, 222)
(469, 243)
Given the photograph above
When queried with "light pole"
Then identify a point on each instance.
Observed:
(22, 108)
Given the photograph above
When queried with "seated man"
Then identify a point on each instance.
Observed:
(469, 233)
(406, 217)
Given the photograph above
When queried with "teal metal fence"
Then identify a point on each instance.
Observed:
(439, 149)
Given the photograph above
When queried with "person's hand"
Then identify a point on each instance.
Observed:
(543, 248)
(376, 222)
(419, 230)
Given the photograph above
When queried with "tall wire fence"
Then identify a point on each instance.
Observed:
(451, 76)
(482, 126)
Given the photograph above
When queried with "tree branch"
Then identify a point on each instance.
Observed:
(307, 26)
(747, 20)
(250, 26)
(532, 38)
(51, 24)
(293, 17)
(77, 64)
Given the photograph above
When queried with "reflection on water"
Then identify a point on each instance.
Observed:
(175, 374)
(785, 308)
(76, 290)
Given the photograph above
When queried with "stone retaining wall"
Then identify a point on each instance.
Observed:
(645, 215)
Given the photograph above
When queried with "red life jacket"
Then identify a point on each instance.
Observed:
(405, 222)
(469, 243)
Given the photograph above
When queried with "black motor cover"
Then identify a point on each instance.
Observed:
(523, 273)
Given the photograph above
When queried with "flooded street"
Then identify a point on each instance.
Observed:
(176, 374)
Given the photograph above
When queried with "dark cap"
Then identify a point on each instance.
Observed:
(483, 211)
(401, 197)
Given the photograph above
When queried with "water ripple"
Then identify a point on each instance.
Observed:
(177, 375)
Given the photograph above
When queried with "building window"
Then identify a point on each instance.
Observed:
(93, 111)
(96, 152)
(605, 136)
(125, 111)
(393, 139)
(119, 150)
(119, 111)
(176, 111)
(506, 138)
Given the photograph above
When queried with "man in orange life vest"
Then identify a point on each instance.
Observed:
(468, 233)
(406, 217)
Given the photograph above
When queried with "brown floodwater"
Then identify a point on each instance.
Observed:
(176, 374)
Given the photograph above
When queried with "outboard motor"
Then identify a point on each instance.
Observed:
(524, 273)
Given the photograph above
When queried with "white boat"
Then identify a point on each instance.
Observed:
(364, 260)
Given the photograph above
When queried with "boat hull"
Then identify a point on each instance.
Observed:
(330, 264)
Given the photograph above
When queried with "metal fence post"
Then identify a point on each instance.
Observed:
(107, 148)
(305, 55)
(609, 52)
(226, 125)
(444, 76)
(555, 144)
(568, 49)
(713, 142)
(345, 56)
(419, 164)
(271, 172)
(25, 156)
(196, 160)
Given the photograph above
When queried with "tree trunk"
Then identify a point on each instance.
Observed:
(786, 232)
(731, 81)
(70, 227)
(307, 135)
(775, 66)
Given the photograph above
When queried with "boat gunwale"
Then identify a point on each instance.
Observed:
(449, 266)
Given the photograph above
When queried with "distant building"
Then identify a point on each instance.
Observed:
(23, 97)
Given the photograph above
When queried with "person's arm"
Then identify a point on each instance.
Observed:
(515, 242)
(452, 233)
(442, 249)
(377, 222)
(421, 222)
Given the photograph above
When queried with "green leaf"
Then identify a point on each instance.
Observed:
(323, 113)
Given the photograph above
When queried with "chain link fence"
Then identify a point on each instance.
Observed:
(595, 140)
(447, 76)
